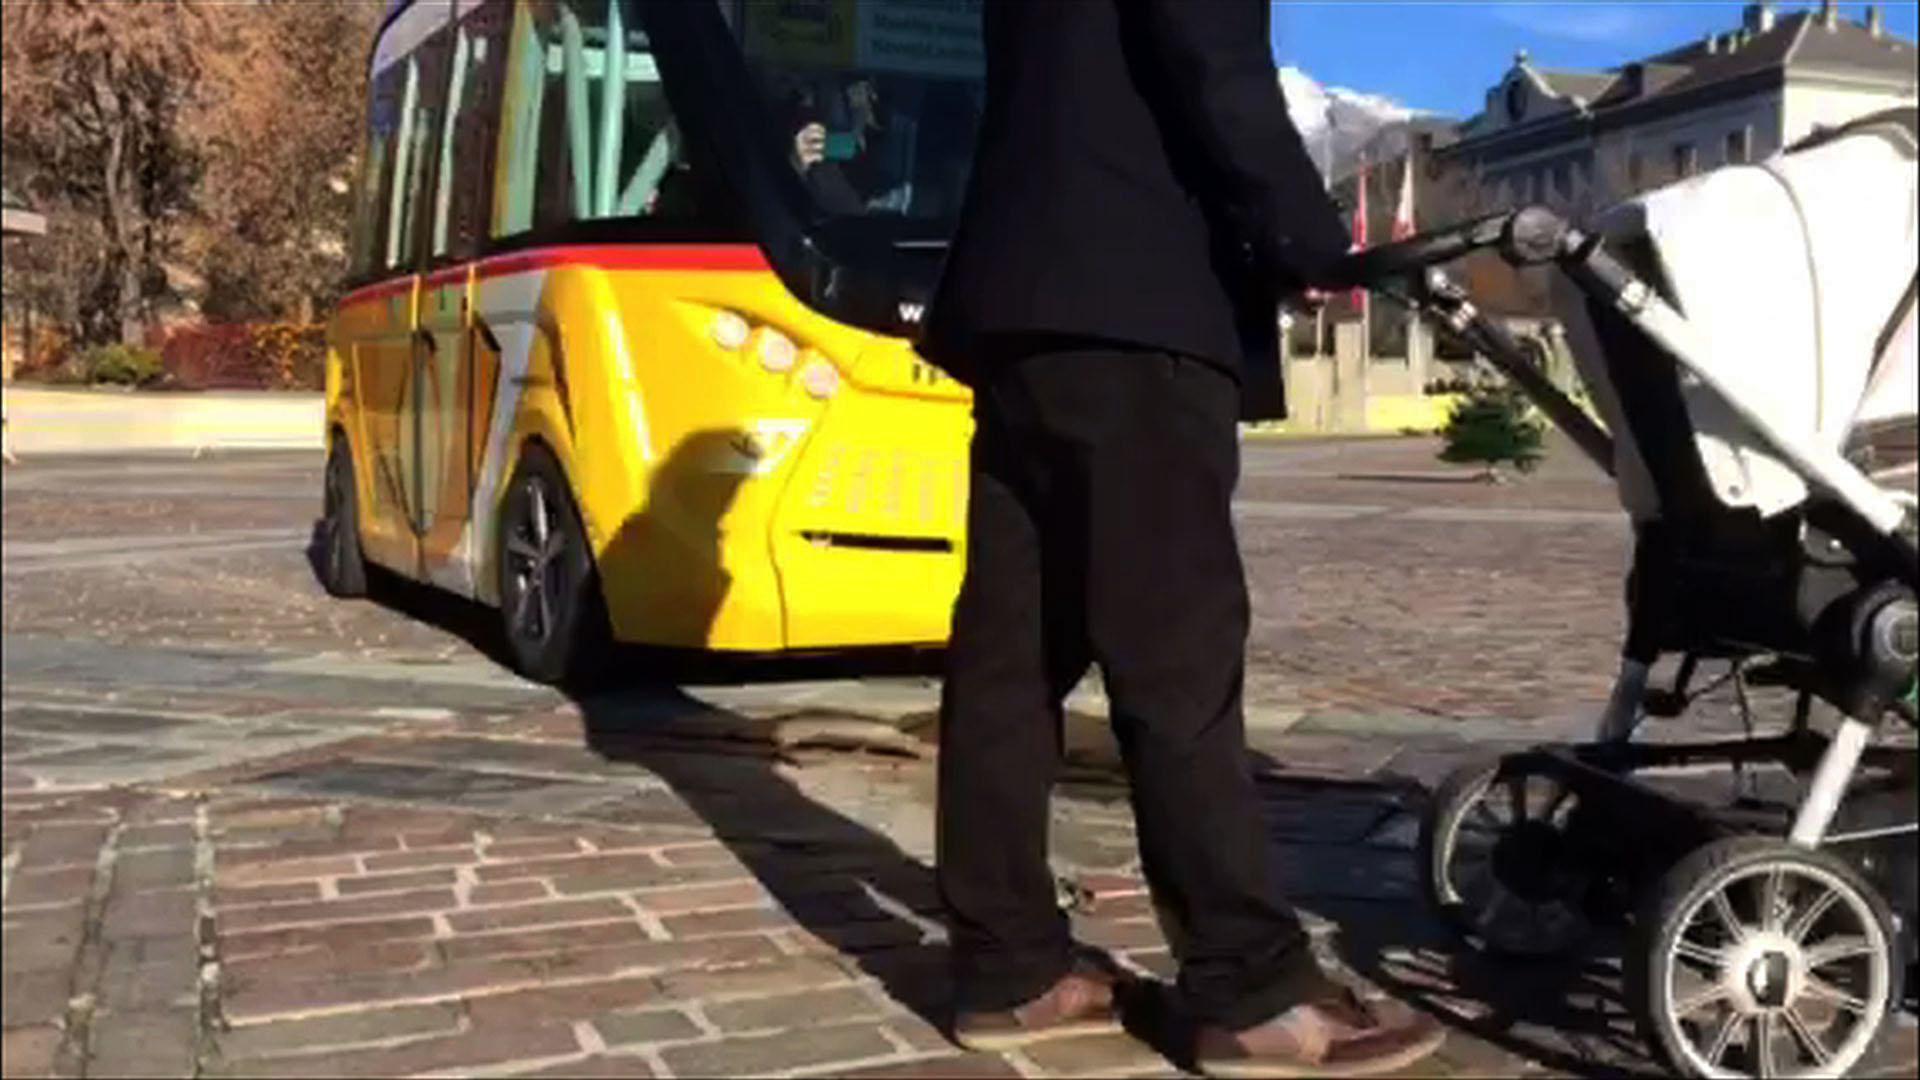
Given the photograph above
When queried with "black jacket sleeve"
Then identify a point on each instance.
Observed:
(1214, 62)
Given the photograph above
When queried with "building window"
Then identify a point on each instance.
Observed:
(1636, 169)
(1739, 146)
(1516, 101)
(1686, 160)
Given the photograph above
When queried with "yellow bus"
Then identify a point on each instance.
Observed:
(626, 352)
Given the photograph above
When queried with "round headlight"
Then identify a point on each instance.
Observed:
(819, 379)
(729, 330)
(777, 351)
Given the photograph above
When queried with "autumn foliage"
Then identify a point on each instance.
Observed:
(194, 159)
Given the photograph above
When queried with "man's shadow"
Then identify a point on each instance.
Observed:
(842, 881)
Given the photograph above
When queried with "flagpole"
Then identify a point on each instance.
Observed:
(1403, 228)
(1361, 240)
(1326, 182)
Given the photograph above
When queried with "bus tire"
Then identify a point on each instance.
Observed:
(341, 564)
(552, 612)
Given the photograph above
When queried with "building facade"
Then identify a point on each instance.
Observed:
(1576, 140)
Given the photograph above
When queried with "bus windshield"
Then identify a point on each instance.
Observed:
(874, 102)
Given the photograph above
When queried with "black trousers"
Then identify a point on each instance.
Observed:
(1100, 531)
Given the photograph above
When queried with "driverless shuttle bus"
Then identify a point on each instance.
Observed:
(626, 342)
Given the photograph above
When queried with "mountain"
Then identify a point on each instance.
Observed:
(1337, 123)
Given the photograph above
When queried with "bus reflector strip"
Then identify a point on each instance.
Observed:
(737, 257)
(871, 542)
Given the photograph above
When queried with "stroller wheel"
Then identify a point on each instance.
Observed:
(1498, 863)
(1753, 957)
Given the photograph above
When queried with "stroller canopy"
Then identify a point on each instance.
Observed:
(1798, 275)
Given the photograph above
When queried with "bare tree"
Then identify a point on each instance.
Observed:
(281, 148)
(94, 95)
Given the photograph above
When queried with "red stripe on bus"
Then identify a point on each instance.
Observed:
(736, 257)
(379, 290)
(709, 257)
(448, 276)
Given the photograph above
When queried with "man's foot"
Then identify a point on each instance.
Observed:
(1083, 1002)
(1335, 1036)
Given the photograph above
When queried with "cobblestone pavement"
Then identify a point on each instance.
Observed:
(251, 831)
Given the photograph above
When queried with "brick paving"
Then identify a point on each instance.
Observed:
(252, 832)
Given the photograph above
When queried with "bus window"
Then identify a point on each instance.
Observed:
(586, 131)
(423, 97)
(370, 218)
(465, 173)
(876, 112)
(405, 137)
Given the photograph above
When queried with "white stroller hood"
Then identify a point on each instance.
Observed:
(1790, 271)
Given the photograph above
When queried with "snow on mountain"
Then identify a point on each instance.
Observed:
(1336, 122)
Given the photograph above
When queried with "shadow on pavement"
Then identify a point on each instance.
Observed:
(854, 889)
(841, 881)
(1566, 1015)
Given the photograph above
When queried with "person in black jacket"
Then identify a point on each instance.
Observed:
(1139, 203)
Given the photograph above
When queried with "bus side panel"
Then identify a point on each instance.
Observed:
(514, 402)
(341, 413)
(884, 416)
(692, 462)
(670, 467)
(446, 401)
(374, 338)
(870, 534)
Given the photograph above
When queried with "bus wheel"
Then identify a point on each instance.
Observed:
(342, 566)
(550, 603)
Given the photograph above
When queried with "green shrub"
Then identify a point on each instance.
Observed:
(121, 365)
(1494, 425)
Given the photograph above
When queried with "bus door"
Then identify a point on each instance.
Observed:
(443, 373)
(382, 319)
(456, 365)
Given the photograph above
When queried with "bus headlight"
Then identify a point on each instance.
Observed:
(819, 379)
(729, 330)
(777, 351)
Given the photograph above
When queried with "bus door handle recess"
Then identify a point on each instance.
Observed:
(486, 334)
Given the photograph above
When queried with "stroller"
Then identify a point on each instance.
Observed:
(1747, 339)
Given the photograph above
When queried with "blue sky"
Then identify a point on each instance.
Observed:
(1441, 55)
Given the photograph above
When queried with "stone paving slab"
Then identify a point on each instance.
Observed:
(299, 837)
(323, 933)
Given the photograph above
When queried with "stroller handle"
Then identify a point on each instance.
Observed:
(1528, 236)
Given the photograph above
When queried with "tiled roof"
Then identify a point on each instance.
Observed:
(1586, 85)
(1849, 47)
(1798, 42)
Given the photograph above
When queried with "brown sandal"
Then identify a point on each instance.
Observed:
(1338, 1036)
(1083, 1002)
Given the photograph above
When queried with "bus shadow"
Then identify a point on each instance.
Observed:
(854, 896)
(849, 888)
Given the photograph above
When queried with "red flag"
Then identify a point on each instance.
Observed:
(1360, 224)
(1403, 211)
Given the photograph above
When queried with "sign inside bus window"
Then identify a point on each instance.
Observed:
(919, 37)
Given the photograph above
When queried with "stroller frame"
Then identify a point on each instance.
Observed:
(1859, 656)
(1536, 236)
